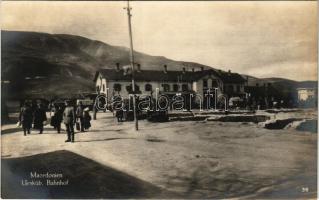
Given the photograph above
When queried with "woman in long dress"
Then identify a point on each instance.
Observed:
(86, 118)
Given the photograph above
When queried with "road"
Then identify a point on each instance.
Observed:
(202, 159)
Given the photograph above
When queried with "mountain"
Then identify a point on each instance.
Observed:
(60, 64)
(282, 84)
(50, 65)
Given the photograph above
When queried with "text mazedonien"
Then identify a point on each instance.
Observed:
(45, 175)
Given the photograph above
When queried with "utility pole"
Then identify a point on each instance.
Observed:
(128, 8)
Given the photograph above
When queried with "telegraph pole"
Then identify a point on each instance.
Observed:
(128, 8)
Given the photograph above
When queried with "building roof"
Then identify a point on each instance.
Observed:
(226, 77)
(169, 76)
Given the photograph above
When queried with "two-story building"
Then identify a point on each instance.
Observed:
(117, 81)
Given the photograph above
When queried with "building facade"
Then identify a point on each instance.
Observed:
(113, 82)
(305, 94)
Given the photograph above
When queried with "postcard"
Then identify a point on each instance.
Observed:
(159, 99)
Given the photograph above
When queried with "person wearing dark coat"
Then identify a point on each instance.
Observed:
(87, 118)
(119, 115)
(34, 106)
(25, 118)
(69, 121)
(39, 117)
(79, 116)
(57, 117)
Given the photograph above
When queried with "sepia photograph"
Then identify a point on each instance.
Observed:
(159, 99)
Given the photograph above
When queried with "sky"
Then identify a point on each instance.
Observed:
(262, 39)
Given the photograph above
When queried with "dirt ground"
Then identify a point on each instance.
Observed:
(203, 159)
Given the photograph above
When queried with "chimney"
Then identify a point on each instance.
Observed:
(138, 68)
(184, 70)
(193, 70)
(165, 69)
(117, 67)
(202, 68)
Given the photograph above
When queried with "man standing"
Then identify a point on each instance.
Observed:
(39, 117)
(79, 115)
(69, 120)
(25, 118)
(56, 119)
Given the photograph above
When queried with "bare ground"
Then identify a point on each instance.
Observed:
(203, 159)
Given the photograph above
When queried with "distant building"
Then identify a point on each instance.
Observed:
(304, 94)
(307, 94)
(118, 82)
(307, 90)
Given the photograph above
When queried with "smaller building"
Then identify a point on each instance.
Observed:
(305, 94)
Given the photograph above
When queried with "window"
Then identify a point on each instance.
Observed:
(148, 87)
(205, 83)
(175, 87)
(117, 87)
(103, 87)
(165, 87)
(129, 88)
(214, 83)
(185, 87)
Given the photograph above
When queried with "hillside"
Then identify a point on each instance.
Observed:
(40, 62)
(47, 65)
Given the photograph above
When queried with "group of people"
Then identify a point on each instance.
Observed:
(32, 115)
(68, 115)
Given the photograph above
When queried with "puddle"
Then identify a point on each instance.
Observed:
(281, 124)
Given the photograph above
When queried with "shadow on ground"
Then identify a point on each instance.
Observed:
(101, 140)
(87, 179)
(11, 130)
(33, 131)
